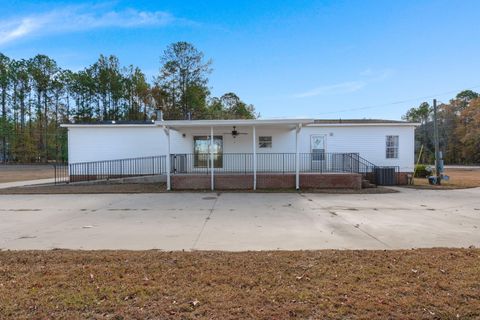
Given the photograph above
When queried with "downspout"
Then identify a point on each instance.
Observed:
(212, 168)
(169, 167)
(297, 158)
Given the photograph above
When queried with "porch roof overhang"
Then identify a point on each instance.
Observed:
(237, 123)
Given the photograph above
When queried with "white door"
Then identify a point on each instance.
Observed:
(317, 150)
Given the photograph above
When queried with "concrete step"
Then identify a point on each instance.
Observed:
(367, 184)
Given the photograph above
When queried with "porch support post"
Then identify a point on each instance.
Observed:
(297, 159)
(212, 167)
(254, 145)
(167, 160)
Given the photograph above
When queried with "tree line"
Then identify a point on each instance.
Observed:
(458, 126)
(37, 95)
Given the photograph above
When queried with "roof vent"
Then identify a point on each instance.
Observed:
(159, 114)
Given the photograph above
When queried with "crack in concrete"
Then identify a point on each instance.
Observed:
(368, 234)
(356, 226)
(205, 222)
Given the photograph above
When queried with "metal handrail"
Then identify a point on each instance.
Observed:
(110, 169)
(200, 163)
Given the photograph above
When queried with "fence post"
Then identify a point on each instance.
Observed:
(297, 159)
(245, 163)
(212, 178)
(167, 160)
(254, 159)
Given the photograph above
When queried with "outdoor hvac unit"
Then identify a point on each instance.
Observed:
(385, 176)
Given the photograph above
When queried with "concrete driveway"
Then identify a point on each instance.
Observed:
(242, 221)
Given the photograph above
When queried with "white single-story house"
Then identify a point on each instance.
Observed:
(241, 154)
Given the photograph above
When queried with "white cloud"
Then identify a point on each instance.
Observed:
(79, 18)
(368, 76)
(344, 87)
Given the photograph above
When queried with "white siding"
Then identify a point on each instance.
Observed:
(283, 139)
(369, 141)
(114, 142)
(117, 142)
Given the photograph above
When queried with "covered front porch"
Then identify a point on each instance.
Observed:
(253, 154)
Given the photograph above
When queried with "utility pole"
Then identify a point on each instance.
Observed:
(437, 145)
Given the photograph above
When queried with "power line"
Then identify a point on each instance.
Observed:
(398, 102)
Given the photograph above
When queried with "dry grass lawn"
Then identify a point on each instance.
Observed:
(88, 188)
(459, 178)
(12, 172)
(413, 284)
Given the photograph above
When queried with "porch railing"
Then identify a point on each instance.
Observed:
(237, 163)
(110, 169)
(200, 163)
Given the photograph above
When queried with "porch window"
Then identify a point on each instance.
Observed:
(265, 141)
(392, 147)
(201, 152)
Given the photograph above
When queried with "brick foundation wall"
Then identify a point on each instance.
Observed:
(331, 181)
(267, 181)
(402, 177)
(275, 181)
(190, 182)
(234, 181)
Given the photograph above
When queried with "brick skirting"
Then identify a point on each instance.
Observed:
(267, 181)
(190, 182)
(402, 177)
(331, 181)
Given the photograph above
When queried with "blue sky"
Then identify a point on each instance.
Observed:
(325, 59)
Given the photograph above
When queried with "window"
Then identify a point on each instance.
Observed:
(265, 142)
(392, 147)
(201, 151)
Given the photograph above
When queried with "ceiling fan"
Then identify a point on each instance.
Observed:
(234, 132)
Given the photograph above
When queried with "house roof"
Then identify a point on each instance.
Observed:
(320, 121)
(112, 123)
(239, 122)
(246, 122)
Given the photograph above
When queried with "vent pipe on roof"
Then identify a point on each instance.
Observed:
(159, 113)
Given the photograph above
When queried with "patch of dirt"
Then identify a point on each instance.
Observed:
(327, 284)
(458, 179)
(88, 188)
(161, 187)
(376, 190)
(13, 172)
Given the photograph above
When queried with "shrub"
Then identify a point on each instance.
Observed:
(421, 171)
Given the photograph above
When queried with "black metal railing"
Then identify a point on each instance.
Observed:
(110, 169)
(239, 163)
(322, 162)
(61, 173)
(200, 163)
(379, 175)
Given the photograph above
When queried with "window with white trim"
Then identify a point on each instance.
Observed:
(392, 147)
(265, 141)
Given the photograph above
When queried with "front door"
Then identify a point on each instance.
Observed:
(317, 151)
